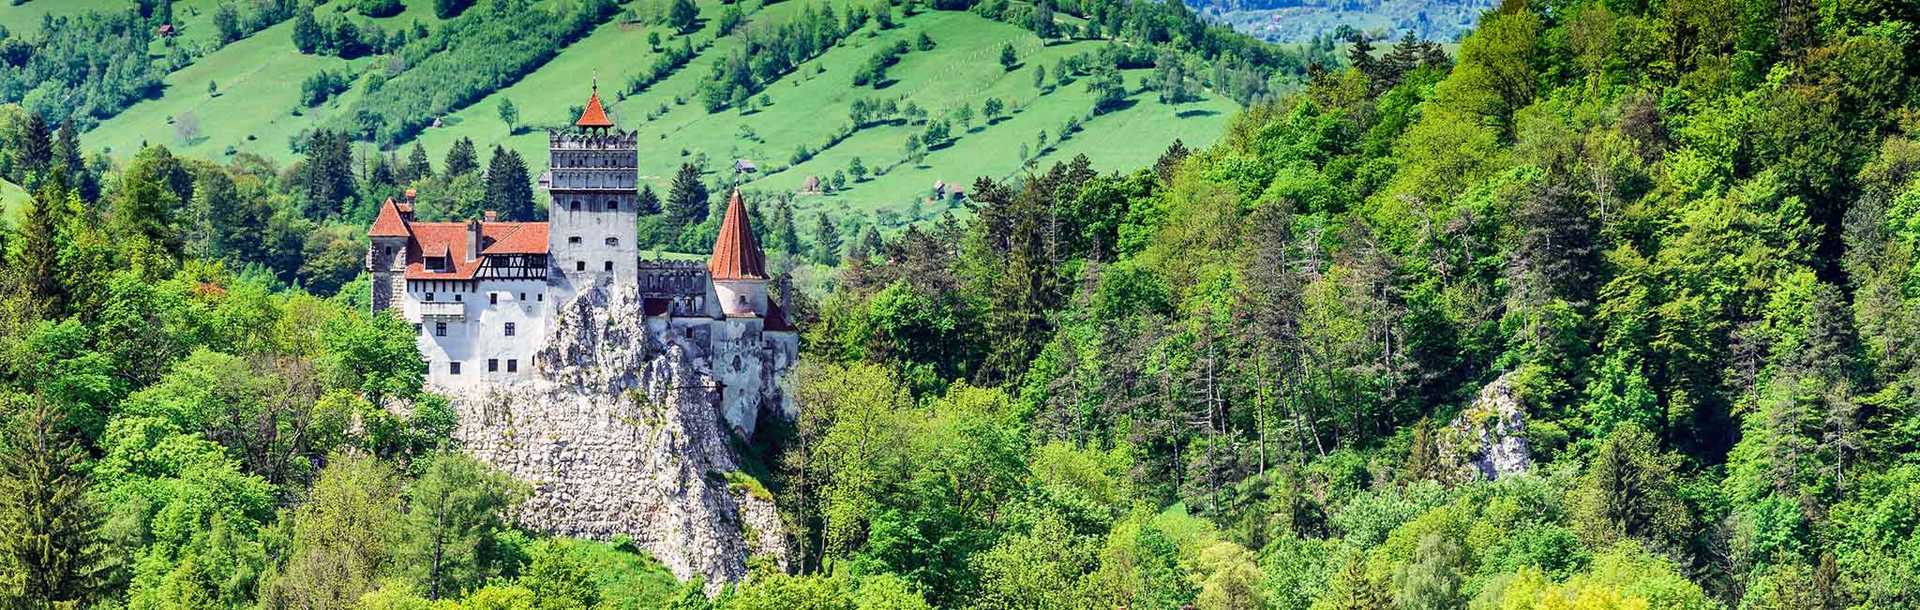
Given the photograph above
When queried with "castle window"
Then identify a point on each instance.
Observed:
(439, 329)
(573, 240)
(456, 298)
(493, 298)
(613, 205)
(576, 205)
(609, 265)
(493, 365)
(613, 241)
(416, 328)
(453, 368)
(579, 265)
(539, 298)
(509, 329)
(429, 297)
(523, 296)
(513, 366)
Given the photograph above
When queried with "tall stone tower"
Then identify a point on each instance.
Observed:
(593, 174)
(387, 253)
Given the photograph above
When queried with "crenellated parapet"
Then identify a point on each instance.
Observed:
(612, 139)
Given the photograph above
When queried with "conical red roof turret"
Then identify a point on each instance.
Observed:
(594, 115)
(389, 223)
(736, 255)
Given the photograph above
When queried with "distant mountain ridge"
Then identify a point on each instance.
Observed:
(1303, 21)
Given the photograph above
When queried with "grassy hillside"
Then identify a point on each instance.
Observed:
(11, 198)
(259, 84)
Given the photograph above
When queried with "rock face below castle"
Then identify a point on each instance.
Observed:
(618, 433)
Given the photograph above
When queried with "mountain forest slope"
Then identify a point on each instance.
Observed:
(252, 94)
(1611, 309)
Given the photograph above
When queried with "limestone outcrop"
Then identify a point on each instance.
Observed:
(1486, 441)
(619, 435)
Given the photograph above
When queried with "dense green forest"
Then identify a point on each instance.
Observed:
(1680, 236)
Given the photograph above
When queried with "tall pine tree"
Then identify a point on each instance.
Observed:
(48, 544)
(35, 148)
(509, 189)
(649, 203)
(35, 252)
(826, 241)
(687, 202)
(328, 175)
(417, 166)
(461, 158)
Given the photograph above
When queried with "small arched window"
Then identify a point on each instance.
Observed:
(613, 241)
(576, 205)
(613, 205)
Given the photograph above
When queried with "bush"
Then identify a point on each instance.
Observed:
(380, 8)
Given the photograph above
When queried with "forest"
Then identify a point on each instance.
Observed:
(1669, 248)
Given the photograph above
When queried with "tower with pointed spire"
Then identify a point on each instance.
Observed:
(593, 177)
(738, 268)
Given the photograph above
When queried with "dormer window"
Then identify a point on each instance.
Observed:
(437, 263)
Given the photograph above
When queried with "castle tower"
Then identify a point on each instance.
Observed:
(593, 174)
(387, 253)
(738, 267)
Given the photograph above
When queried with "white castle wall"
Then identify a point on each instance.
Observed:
(479, 332)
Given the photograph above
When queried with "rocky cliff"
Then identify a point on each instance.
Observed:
(619, 435)
(1487, 441)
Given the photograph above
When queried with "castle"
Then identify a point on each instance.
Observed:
(482, 293)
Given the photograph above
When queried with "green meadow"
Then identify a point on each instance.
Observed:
(256, 108)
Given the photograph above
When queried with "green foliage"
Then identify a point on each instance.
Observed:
(456, 512)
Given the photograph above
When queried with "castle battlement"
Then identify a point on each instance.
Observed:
(482, 294)
(558, 139)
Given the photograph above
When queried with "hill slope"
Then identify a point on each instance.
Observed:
(259, 83)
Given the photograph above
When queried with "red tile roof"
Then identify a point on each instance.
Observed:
(389, 223)
(594, 115)
(515, 237)
(736, 255)
(449, 239)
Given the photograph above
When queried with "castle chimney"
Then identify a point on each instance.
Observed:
(491, 216)
(473, 239)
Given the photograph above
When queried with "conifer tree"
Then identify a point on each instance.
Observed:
(826, 241)
(648, 203)
(461, 158)
(786, 237)
(48, 544)
(66, 156)
(870, 242)
(36, 145)
(66, 149)
(383, 173)
(417, 165)
(35, 249)
(329, 173)
(687, 201)
(509, 189)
